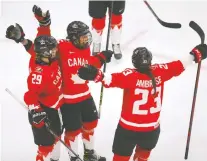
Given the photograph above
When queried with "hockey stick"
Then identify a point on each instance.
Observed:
(46, 124)
(104, 68)
(163, 23)
(200, 32)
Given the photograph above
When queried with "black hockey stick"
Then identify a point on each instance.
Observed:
(46, 124)
(163, 23)
(200, 32)
(104, 68)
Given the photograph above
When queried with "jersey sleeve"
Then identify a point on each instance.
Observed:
(30, 48)
(125, 79)
(37, 81)
(170, 70)
(97, 60)
(43, 30)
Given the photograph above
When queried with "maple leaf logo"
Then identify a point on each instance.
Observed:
(76, 79)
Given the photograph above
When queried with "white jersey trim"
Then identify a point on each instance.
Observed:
(76, 95)
(153, 124)
(55, 105)
(187, 61)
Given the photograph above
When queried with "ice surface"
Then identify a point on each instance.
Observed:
(140, 28)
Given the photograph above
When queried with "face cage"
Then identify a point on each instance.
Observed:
(84, 41)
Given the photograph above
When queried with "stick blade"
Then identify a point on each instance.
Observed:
(163, 23)
(170, 25)
(198, 29)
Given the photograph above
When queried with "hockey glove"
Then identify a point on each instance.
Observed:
(15, 33)
(43, 18)
(107, 54)
(89, 72)
(39, 116)
(199, 52)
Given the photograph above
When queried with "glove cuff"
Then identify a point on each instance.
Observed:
(45, 23)
(197, 54)
(34, 107)
(99, 76)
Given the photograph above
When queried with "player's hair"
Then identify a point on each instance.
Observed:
(141, 60)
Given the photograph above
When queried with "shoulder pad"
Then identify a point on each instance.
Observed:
(128, 71)
(154, 66)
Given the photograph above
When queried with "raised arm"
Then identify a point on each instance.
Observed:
(17, 34)
(43, 20)
(175, 68)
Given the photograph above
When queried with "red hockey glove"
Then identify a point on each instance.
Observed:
(43, 18)
(89, 72)
(199, 52)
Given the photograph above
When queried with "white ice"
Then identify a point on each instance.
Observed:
(140, 28)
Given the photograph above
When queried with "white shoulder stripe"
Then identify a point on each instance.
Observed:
(107, 79)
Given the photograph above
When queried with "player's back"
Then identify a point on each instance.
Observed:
(141, 106)
(44, 85)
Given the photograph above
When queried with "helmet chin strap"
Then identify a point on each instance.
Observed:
(50, 60)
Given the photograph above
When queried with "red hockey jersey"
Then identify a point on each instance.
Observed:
(141, 109)
(44, 82)
(44, 86)
(74, 88)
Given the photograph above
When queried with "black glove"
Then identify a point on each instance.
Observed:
(39, 116)
(43, 18)
(107, 54)
(15, 33)
(89, 72)
(199, 52)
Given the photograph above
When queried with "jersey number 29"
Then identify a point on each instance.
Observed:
(36, 79)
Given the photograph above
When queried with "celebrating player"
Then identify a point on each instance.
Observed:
(139, 124)
(44, 96)
(97, 10)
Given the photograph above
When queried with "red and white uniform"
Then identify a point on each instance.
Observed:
(74, 88)
(44, 82)
(141, 109)
(71, 58)
(44, 86)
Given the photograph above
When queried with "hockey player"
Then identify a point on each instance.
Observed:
(139, 124)
(44, 96)
(79, 112)
(97, 10)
